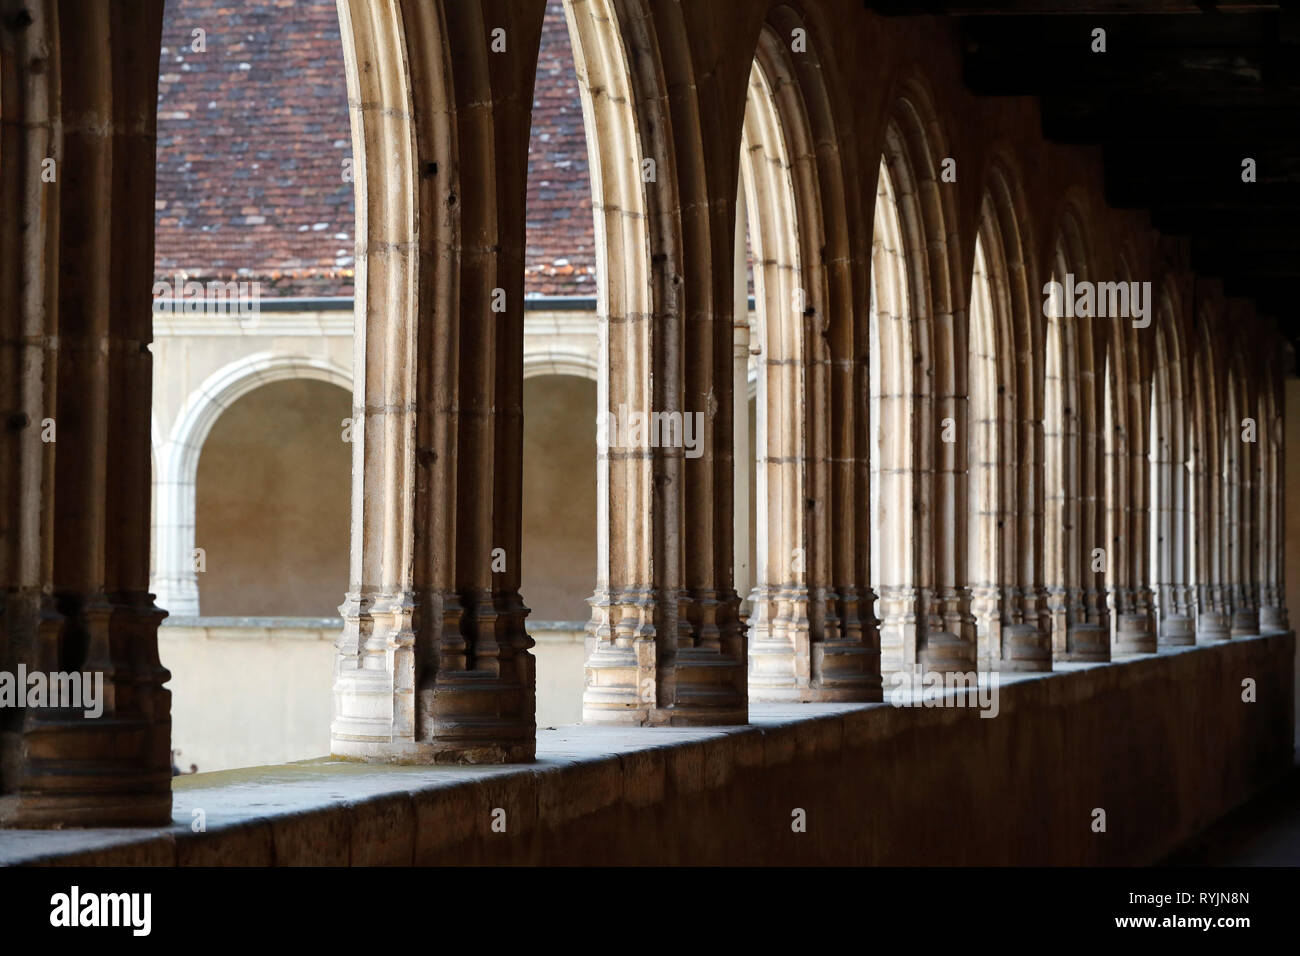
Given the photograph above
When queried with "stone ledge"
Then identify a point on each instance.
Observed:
(253, 623)
(1162, 742)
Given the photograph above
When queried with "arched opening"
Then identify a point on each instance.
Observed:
(250, 679)
(560, 537)
(271, 504)
(779, 618)
(1060, 478)
(927, 624)
(1005, 446)
(895, 546)
(254, 245)
(989, 464)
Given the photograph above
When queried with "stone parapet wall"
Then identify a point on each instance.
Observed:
(1164, 744)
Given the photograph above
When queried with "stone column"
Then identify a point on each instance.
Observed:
(1089, 634)
(1125, 496)
(1169, 458)
(433, 663)
(1213, 621)
(1272, 611)
(951, 643)
(1027, 635)
(665, 642)
(76, 270)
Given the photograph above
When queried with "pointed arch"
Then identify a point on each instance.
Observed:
(1006, 438)
(809, 638)
(926, 622)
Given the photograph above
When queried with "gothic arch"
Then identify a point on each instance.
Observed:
(927, 621)
(580, 363)
(175, 584)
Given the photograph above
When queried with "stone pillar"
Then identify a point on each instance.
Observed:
(76, 263)
(951, 644)
(433, 663)
(1126, 495)
(665, 642)
(1088, 637)
(1272, 611)
(1168, 441)
(1213, 623)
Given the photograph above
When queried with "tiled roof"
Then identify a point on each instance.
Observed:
(253, 134)
(561, 256)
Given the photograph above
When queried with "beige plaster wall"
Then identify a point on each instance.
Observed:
(559, 570)
(272, 503)
(246, 696)
(249, 693)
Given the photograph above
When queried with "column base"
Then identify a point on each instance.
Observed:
(1245, 623)
(944, 652)
(1133, 634)
(109, 773)
(1025, 648)
(1177, 630)
(453, 715)
(1213, 626)
(1087, 644)
(1273, 618)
